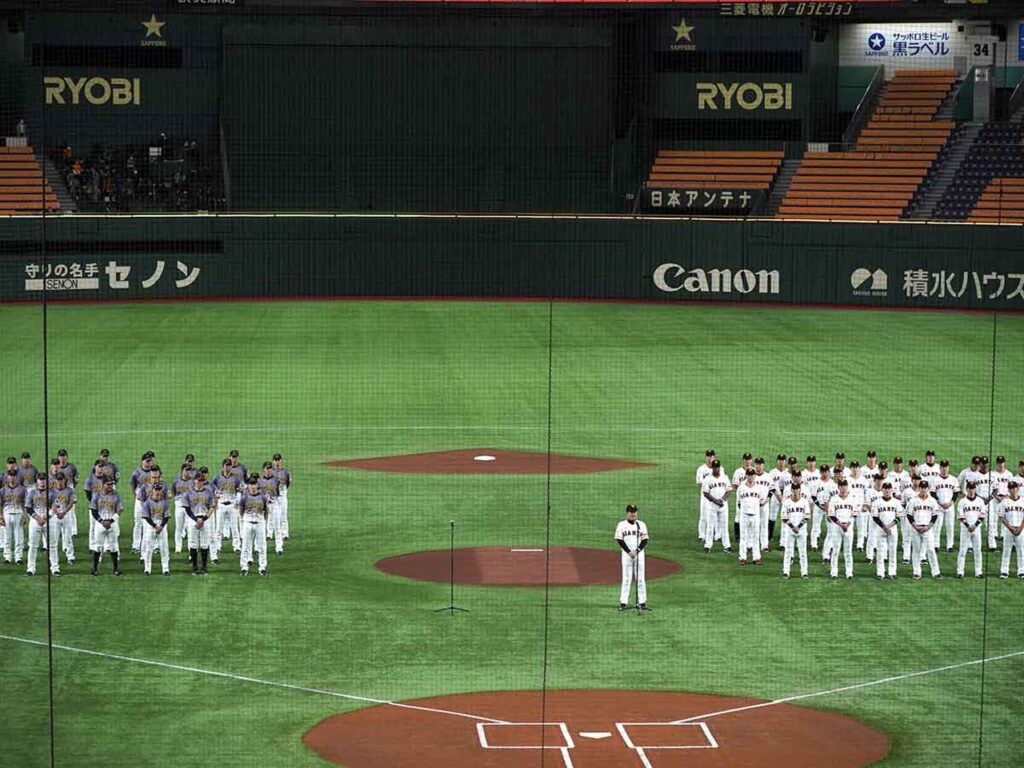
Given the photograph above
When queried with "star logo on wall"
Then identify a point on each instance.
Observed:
(153, 26)
(683, 31)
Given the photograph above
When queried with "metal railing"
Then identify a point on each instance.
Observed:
(864, 108)
(1016, 100)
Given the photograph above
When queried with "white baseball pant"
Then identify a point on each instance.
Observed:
(1011, 542)
(816, 517)
(884, 549)
(254, 537)
(969, 540)
(840, 539)
(995, 527)
(284, 511)
(921, 547)
(47, 535)
(864, 526)
(14, 544)
(936, 530)
(277, 514)
(908, 533)
(68, 529)
(715, 523)
(107, 538)
(951, 525)
(199, 538)
(766, 515)
(628, 566)
(73, 522)
(790, 541)
(228, 513)
(152, 541)
(750, 535)
(179, 524)
(137, 528)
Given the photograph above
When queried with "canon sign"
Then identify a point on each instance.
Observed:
(673, 277)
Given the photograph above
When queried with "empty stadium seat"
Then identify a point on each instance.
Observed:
(23, 189)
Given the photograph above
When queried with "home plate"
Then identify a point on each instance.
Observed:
(484, 457)
(595, 734)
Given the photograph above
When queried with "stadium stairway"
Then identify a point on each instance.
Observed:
(58, 185)
(878, 178)
(944, 171)
(22, 184)
(997, 152)
(785, 176)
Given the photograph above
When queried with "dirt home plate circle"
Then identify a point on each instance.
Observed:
(594, 729)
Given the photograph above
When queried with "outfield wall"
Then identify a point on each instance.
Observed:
(915, 266)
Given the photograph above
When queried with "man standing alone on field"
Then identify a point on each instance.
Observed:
(632, 537)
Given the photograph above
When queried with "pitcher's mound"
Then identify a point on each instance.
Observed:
(594, 729)
(487, 461)
(521, 566)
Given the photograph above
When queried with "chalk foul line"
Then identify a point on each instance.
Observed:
(254, 680)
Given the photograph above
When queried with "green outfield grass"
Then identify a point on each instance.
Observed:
(324, 381)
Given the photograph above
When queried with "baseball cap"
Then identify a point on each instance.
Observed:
(897, 459)
(154, 467)
(759, 460)
(186, 466)
(854, 463)
(12, 473)
(872, 454)
(824, 468)
(812, 457)
(944, 463)
(108, 479)
(226, 463)
(751, 473)
(204, 470)
(26, 455)
(267, 465)
(714, 464)
(929, 453)
(792, 460)
(158, 487)
(11, 460)
(747, 456)
(147, 455)
(983, 460)
(840, 455)
(913, 462)
(233, 454)
(975, 459)
(781, 457)
(62, 452)
(708, 452)
(1000, 459)
(254, 479)
(883, 465)
(922, 484)
(631, 508)
(887, 484)
(277, 456)
(190, 457)
(104, 452)
(1012, 484)
(841, 483)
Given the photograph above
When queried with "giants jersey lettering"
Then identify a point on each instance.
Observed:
(782, 481)
(1013, 511)
(13, 499)
(157, 511)
(982, 483)
(825, 490)
(944, 488)
(200, 501)
(631, 534)
(972, 511)
(739, 477)
(750, 499)
(765, 482)
(999, 483)
(227, 487)
(715, 487)
(859, 486)
(810, 476)
(271, 486)
(887, 511)
(842, 509)
(921, 510)
(928, 472)
(36, 501)
(107, 505)
(900, 482)
(255, 506)
(795, 512)
(702, 472)
(61, 499)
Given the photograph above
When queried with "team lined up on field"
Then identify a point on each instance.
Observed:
(247, 508)
(873, 508)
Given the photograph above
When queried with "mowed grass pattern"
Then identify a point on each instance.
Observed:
(324, 381)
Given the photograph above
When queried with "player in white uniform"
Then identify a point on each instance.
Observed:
(945, 488)
(929, 470)
(749, 499)
(43, 527)
(971, 515)
(842, 511)
(983, 487)
(702, 472)
(923, 512)
(1011, 517)
(902, 489)
(967, 473)
(766, 481)
(870, 468)
(824, 490)
(739, 477)
(886, 513)
(780, 490)
(796, 510)
(840, 469)
(714, 502)
(632, 537)
(859, 487)
(873, 493)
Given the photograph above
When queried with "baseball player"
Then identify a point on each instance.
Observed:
(767, 482)
(749, 499)
(238, 468)
(156, 514)
(1000, 478)
(967, 473)
(115, 473)
(703, 470)
(840, 469)
(43, 527)
(860, 484)
(923, 512)
(870, 468)
(70, 471)
(200, 503)
(93, 485)
(795, 512)
(227, 485)
(12, 464)
(971, 515)
(632, 537)
(270, 484)
(12, 497)
(714, 492)
(138, 477)
(886, 513)
(983, 487)
(27, 471)
(1011, 517)
(62, 507)
(180, 488)
(106, 508)
(873, 493)
(782, 478)
(821, 491)
(254, 506)
(286, 484)
(929, 471)
(842, 511)
(945, 488)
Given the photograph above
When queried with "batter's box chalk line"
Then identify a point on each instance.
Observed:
(698, 729)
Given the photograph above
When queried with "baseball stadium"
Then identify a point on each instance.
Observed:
(493, 384)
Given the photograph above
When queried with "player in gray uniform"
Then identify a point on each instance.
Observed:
(106, 508)
(227, 486)
(12, 464)
(114, 471)
(156, 514)
(142, 494)
(62, 506)
(239, 470)
(200, 503)
(138, 477)
(286, 483)
(43, 527)
(71, 473)
(93, 485)
(180, 488)
(254, 506)
(270, 484)
(27, 471)
(12, 498)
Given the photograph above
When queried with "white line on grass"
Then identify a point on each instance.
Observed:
(802, 696)
(257, 681)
